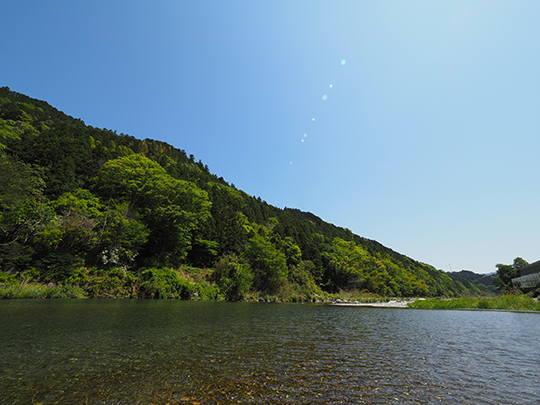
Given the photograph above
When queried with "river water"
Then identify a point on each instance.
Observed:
(186, 352)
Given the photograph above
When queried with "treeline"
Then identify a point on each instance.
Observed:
(84, 206)
(484, 282)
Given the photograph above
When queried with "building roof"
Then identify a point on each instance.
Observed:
(530, 269)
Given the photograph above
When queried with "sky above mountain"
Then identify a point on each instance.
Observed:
(414, 123)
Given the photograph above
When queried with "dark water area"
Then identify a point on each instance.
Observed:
(185, 352)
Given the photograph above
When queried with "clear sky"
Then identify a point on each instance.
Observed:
(414, 123)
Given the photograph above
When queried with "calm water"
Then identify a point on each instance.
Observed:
(168, 352)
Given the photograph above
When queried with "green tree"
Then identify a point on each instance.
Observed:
(269, 265)
(170, 208)
(19, 225)
(233, 277)
(18, 181)
(345, 263)
(113, 237)
(506, 272)
(164, 283)
(292, 252)
(121, 237)
(7, 127)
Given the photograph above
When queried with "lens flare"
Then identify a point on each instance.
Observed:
(305, 135)
(324, 97)
(343, 61)
(331, 86)
(313, 119)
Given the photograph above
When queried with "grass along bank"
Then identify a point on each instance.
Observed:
(503, 302)
(35, 290)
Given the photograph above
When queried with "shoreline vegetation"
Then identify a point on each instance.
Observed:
(187, 289)
(193, 289)
(88, 211)
(509, 302)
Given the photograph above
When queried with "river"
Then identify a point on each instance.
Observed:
(194, 352)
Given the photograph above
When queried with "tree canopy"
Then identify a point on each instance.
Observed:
(77, 201)
(506, 272)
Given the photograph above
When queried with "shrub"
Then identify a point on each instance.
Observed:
(233, 277)
(104, 283)
(206, 291)
(164, 283)
(6, 278)
(34, 290)
(483, 304)
(505, 302)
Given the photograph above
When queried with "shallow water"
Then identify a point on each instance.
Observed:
(167, 352)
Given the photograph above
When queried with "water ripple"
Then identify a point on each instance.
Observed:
(141, 352)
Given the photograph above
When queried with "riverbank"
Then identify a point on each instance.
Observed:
(503, 302)
(36, 290)
(376, 304)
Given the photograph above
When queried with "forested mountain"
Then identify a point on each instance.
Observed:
(484, 282)
(87, 206)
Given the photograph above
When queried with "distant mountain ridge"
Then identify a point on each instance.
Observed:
(484, 282)
(79, 200)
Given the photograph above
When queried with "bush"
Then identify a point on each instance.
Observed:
(233, 278)
(34, 290)
(268, 264)
(504, 302)
(164, 283)
(483, 304)
(6, 278)
(56, 267)
(64, 291)
(104, 283)
(206, 291)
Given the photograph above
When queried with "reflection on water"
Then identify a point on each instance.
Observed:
(167, 352)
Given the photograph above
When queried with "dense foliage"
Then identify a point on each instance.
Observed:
(481, 284)
(119, 216)
(506, 272)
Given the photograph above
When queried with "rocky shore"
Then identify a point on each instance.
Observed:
(380, 304)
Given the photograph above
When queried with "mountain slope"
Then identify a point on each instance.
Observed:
(89, 200)
(484, 282)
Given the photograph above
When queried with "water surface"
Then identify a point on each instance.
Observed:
(167, 352)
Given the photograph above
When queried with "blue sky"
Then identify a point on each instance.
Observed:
(427, 140)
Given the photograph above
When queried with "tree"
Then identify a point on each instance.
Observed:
(170, 208)
(121, 237)
(8, 126)
(18, 181)
(164, 283)
(506, 272)
(19, 225)
(233, 277)
(111, 234)
(519, 263)
(269, 265)
(292, 252)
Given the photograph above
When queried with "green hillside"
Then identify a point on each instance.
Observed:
(113, 215)
(484, 282)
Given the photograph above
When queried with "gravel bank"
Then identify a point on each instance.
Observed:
(389, 304)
